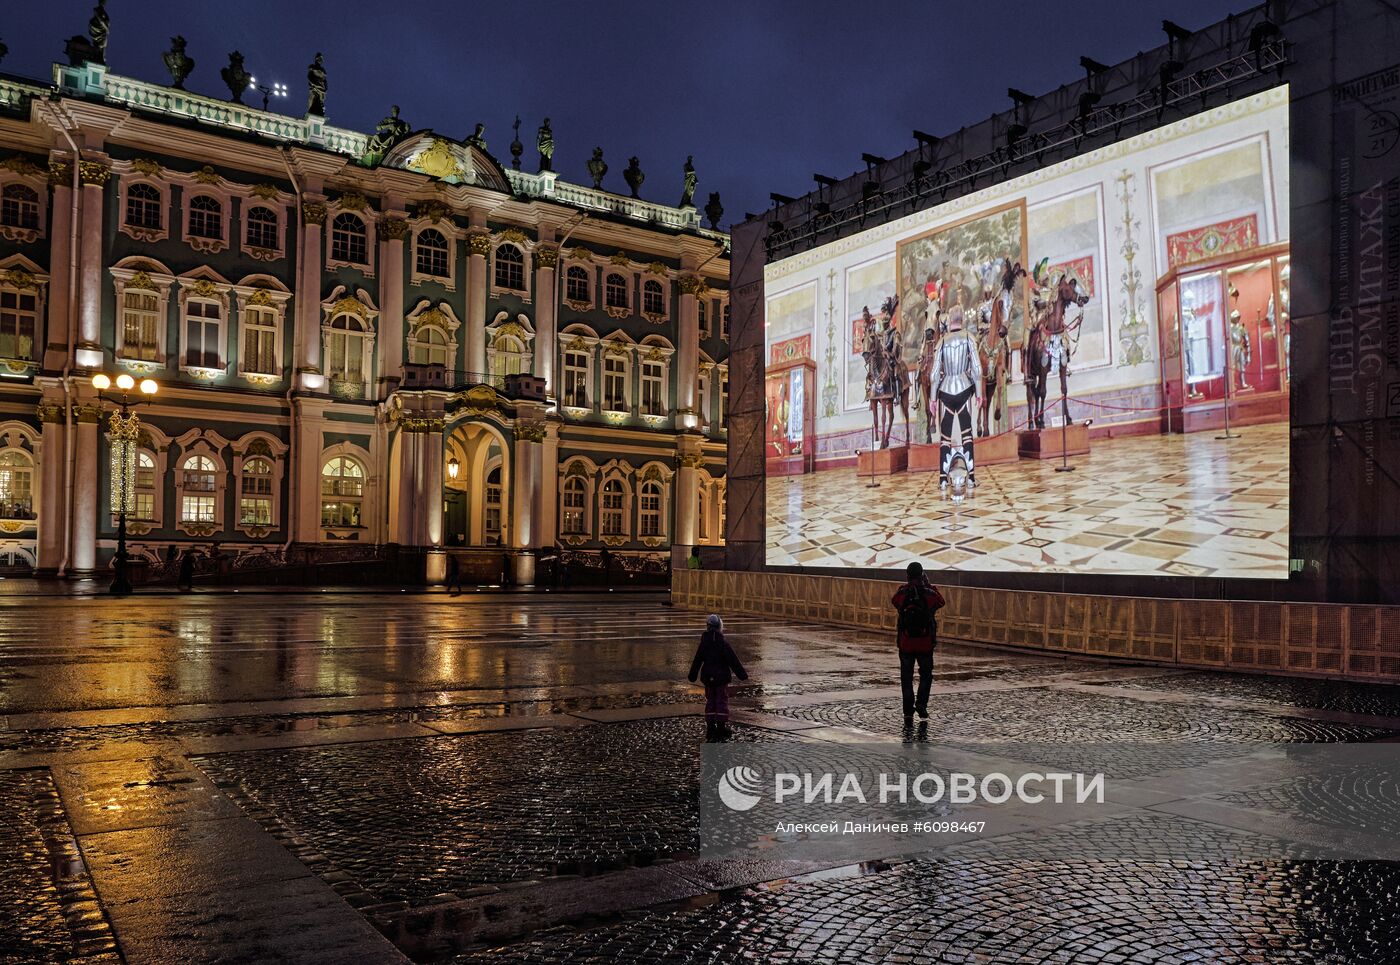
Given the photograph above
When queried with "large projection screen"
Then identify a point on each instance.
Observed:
(1068, 347)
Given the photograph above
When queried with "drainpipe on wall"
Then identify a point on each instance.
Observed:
(292, 487)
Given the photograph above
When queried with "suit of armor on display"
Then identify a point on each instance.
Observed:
(955, 380)
(1240, 354)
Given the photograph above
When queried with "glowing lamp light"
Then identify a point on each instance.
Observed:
(125, 382)
(101, 383)
(453, 467)
(149, 387)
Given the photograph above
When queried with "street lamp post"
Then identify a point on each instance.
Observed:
(125, 435)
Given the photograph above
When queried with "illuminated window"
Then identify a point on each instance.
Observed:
(19, 320)
(649, 500)
(493, 506)
(342, 492)
(261, 227)
(255, 493)
(145, 489)
(143, 206)
(615, 291)
(507, 356)
(574, 506)
(653, 298)
(19, 207)
(140, 325)
(260, 340)
(702, 399)
(615, 383)
(576, 284)
(16, 485)
(203, 325)
(653, 388)
(430, 346)
(613, 506)
(510, 268)
(724, 402)
(703, 313)
(198, 483)
(349, 240)
(432, 253)
(206, 217)
(345, 349)
(576, 379)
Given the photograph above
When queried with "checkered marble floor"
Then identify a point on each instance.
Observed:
(1178, 505)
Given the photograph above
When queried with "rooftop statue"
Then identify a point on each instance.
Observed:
(714, 210)
(597, 168)
(516, 148)
(179, 65)
(389, 132)
(545, 142)
(99, 28)
(236, 77)
(478, 137)
(633, 176)
(688, 188)
(3, 50)
(316, 87)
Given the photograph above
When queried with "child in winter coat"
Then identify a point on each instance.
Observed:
(713, 663)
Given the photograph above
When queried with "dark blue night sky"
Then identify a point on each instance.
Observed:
(762, 92)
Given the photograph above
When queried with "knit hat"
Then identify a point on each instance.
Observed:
(713, 622)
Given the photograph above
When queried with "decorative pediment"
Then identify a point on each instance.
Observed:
(513, 235)
(446, 160)
(207, 175)
(147, 166)
(619, 258)
(353, 201)
(267, 192)
(22, 166)
(341, 302)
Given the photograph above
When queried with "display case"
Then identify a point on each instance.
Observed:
(790, 418)
(1224, 339)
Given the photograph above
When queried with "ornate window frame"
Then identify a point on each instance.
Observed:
(722, 393)
(453, 236)
(703, 316)
(280, 203)
(722, 316)
(521, 241)
(570, 263)
(518, 328)
(261, 292)
(625, 273)
(659, 275)
(20, 276)
(655, 350)
(438, 316)
(156, 444)
(205, 284)
(619, 471)
(19, 169)
(358, 205)
(205, 182)
(361, 305)
(584, 469)
(703, 391)
(259, 445)
(618, 345)
(140, 273)
(581, 339)
(367, 495)
(658, 474)
(208, 443)
(16, 436)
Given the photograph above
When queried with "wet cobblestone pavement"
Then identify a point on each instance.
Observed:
(513, 780)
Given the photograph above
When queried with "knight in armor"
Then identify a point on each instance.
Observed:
(1240, 354)
(955, 382)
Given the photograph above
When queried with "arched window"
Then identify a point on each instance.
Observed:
(430, 346)
(345, 349)
(145, 490)
(140, 325)
(19, 319)
(615, 383)
(724, 324)
(493, 507)
(576, 379)
(206, 217)
(199, 485)
(615, 291)
(432, 253)
(653, 298)
(574, 506)
(16, 485)
(262, 227)
(702, 399)
(649, 502)
(19, 207)
(653, 388)
(702, 521)
(342, 492)
(508, 356)
(702, 309)
(510, 268)
(255, 493)
(614, 499)
(260, 340)
(349, 241)
(724, 401)
(203, 325)
(143, 206)
(576, 284)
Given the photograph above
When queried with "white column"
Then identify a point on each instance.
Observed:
(94, 176)
(547, 520)
(392, 231)
(307, 467)
(432, 483)
(689, 459)
(60, 312)
(82, 558)
(688, 352)
(308, 362)
(51, 488)
(525, 498)
(478, 244)
(403, 527)
(546, 262)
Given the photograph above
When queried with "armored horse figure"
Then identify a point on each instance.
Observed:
(1050, 344)
(887, 374)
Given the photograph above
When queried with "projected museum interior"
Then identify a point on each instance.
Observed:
(1084, 369)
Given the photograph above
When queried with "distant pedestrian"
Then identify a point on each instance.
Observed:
(454, 575)
(715, 664)
(171, 553)
(916, 602)
(692, 562)
(605, 561)
(185, 581)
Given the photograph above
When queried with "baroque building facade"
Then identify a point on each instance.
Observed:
(359, 340)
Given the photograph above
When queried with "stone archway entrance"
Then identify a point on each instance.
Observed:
(477, 502)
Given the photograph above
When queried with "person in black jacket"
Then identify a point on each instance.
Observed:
(713, 663)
